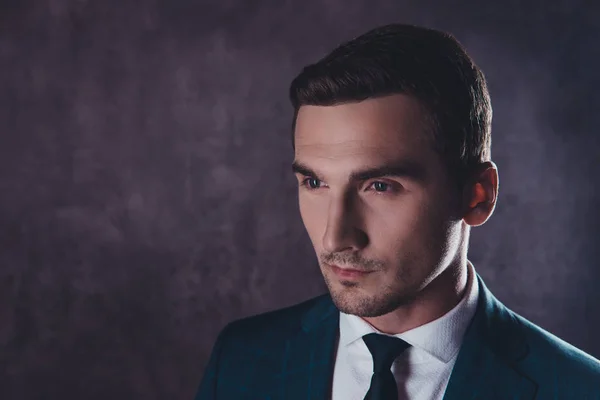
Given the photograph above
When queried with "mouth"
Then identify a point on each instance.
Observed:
(349, 273)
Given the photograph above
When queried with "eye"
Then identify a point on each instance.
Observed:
(378, 186)
(307, 183)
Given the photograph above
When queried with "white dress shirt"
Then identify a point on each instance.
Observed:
(423, 370)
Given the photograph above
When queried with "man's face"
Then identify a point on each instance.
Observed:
(404, 228)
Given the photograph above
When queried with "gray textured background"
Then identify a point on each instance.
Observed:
(146, 196)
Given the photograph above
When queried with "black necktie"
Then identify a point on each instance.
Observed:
(384, 350)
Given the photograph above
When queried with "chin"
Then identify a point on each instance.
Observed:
(365, 303)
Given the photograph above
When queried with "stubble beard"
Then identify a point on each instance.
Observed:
(350, 299)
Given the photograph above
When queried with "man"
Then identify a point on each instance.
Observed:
(392, 145)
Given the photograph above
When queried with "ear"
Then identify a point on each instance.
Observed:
(480, 194)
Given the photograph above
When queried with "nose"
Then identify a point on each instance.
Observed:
(342, 232)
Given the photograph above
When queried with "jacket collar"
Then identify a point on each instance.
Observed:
(486, 367)
(487, 364)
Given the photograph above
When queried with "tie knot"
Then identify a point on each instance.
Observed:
(384, 350)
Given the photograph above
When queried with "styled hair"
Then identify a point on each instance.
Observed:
(429, 65)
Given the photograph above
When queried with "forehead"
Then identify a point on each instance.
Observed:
(385, 128)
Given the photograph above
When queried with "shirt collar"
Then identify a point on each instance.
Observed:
(441, 337)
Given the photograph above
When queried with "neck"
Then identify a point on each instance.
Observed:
(441, 295)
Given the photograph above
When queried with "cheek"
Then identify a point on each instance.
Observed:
(311, 216)
(433, 239)
(408, 231)
(397, 222)
(305, 209)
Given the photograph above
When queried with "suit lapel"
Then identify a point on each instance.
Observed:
(309, 356)
(487, 364)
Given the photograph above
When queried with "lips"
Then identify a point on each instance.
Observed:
(349, 273)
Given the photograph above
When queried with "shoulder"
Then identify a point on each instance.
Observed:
(560, 369)
(554, 358)
(272, 325)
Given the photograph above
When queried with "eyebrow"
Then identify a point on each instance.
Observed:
(399, 169)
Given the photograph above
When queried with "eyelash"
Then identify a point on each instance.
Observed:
(391, 187)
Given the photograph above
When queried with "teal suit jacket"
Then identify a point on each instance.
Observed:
(288, 354)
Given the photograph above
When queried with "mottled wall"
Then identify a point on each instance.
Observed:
(146, 196)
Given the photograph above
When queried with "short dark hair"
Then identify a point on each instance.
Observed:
(427, 64)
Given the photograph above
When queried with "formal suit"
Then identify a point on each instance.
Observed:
(289, 354)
